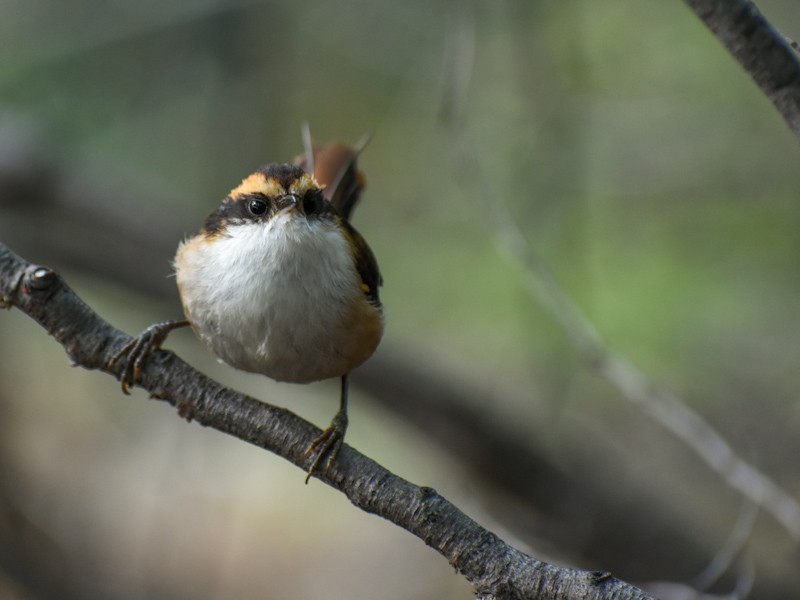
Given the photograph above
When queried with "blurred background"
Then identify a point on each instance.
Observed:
(645, 170)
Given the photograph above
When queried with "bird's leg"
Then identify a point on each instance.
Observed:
(330, 442)
(134, 353)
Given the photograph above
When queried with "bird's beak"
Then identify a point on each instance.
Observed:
(289, 202)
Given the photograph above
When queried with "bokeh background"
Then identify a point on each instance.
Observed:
(646, 171)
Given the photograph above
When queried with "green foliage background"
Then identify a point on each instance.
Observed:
(645, 168)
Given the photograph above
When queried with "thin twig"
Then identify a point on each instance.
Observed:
(732, 548)
(746, 579)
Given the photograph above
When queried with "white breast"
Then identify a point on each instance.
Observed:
(281, 298)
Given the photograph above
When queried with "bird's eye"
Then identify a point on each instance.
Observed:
(257, 207)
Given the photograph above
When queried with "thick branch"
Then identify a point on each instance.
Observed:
(761, 51)
(495, 569)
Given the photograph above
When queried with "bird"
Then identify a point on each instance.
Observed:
(279, 282)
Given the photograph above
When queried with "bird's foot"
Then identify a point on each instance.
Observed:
(326, 447)
(135, 352)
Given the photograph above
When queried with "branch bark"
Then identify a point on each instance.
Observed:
(495, 569)
(761, 51)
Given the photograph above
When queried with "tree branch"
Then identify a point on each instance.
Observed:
(761, 51)
(495, 569)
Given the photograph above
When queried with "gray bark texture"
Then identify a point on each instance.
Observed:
(760, 49)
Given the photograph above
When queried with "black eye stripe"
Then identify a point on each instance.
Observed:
(237, 210)
(258, 207)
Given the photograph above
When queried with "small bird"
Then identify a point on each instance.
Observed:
(279, 282)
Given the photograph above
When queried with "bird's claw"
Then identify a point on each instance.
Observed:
(134, 353)
(326, 447)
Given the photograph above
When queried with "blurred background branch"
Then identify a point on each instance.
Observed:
(664, 407)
